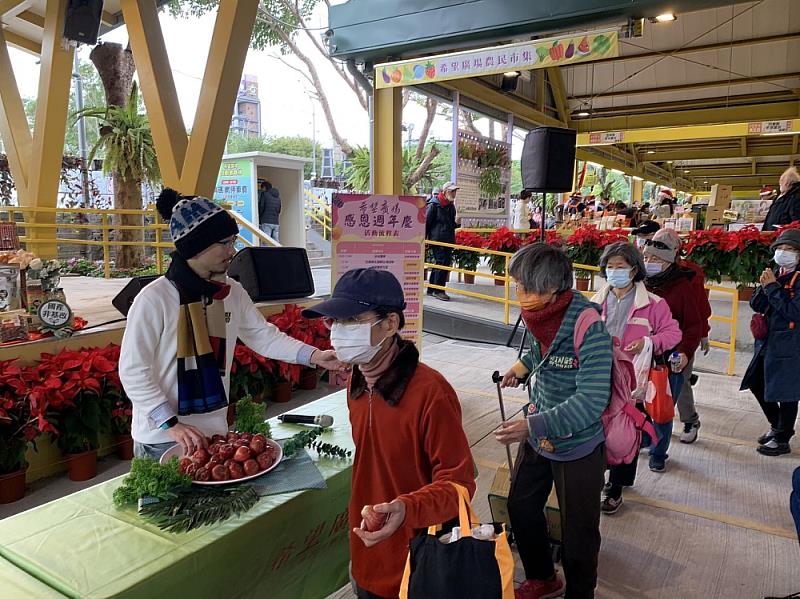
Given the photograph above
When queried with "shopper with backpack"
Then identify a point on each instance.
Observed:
(633, 316)
(561, 437)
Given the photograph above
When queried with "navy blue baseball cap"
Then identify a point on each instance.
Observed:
(360, 290)
(648, 227)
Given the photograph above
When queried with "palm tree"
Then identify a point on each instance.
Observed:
(419, 172)
(129, 155)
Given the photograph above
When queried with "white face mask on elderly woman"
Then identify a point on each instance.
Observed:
(353, 342)
(786, 258)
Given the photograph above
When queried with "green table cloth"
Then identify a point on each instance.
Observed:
(17, 584)
(292, 545)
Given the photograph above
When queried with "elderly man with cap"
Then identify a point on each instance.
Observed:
(666, 278)
(644, 232)
(178, 345)
(440, 225)
(686, 406)
(772, 373)
(406, 424)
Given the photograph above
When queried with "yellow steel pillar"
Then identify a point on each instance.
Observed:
(35, 160)
(387, 142)
(637, 190)
(191, 165)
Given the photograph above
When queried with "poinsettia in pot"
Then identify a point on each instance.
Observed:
(310, 331)
(501, 240)
(74, 384)
(250, 374)
(466, 259)
(752, 254)
(704, 249)
(551, 237)
(19, 428)
(585, 246)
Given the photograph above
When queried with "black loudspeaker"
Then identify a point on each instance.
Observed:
(124, 298)
(548, 160)
(82, 22)
(273, 273)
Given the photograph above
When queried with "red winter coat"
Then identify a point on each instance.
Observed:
(700, 288)
(680, 290)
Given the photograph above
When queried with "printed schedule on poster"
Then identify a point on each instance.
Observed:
(387, 233)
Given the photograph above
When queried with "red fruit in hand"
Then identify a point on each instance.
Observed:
(219, 472)
(242, 454)
(235, 470)
(373, 520)
(257, 446)
(250, 467)
(202, 474)
(200, 457)
(265, 460)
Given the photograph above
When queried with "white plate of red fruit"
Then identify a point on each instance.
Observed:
(230, 458)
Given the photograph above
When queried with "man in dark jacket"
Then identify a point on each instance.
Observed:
(786, 209)
(269, 210)
(440, 225)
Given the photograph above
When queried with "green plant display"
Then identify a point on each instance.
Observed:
(192, 508)
(308, 438)
(489, 182)
(149, 478)
(250, 417)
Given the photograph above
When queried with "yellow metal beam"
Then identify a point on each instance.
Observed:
(689, 86)
(31, 17)
(492, 97)
(687, 133)
(559, 93)
(658, 176)
(13, 7)
(16, 133)
(703, 153)
(158, 88)
(680, 118)
(226, 56)
(23, 43)
(387, 141)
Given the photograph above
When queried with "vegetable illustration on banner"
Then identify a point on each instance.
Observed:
(535, 54)
(386, 233)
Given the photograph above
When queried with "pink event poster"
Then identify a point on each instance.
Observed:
(387, 233)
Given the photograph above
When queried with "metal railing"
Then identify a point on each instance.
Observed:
(26, 218)
(507, 301)
(318, 211)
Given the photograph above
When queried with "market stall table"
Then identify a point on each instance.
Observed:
(292, 545)
(17, 584)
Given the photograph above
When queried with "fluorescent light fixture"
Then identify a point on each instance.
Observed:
(511, 74)
(669, 161)
(687, 171)
(651, 151)
(637, 178)
(583, 113)
(665, 17)
(779, 133)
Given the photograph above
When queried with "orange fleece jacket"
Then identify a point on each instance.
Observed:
(408, 451)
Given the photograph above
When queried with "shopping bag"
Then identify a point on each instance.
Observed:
(474, 565)
(759, 326)
(658, 401)
(641, 367)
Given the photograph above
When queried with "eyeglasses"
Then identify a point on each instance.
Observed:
(228, 243)
(329, 322)
(659, 245)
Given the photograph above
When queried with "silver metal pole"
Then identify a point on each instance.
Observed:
(82, 149)
(454, 145)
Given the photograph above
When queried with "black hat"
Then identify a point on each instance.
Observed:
(195, 222)
(789, 237)
(648, 227)
(360, 290)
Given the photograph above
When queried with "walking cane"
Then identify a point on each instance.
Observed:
(497, 379)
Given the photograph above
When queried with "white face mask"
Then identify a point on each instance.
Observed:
(353, 342)
(786, 258)
(653, 268)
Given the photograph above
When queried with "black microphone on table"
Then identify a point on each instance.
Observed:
(322, 420)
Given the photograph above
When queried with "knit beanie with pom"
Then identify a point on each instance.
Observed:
(195, 222)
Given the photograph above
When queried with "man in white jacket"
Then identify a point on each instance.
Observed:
(177, 350)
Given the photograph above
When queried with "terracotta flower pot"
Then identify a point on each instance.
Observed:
(124, 447)
(282, 392)
(82, 466)
(500, 282)
(469, 279)
(746, 293)
(12, 486)
(582, 284)
(308, 379)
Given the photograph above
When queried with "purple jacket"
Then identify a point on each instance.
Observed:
(650, 317)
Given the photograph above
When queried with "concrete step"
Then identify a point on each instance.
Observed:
(319, 261)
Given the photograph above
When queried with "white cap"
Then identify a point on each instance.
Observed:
(449, 186)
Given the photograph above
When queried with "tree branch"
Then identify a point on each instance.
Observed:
(423, 168)
(431, 105)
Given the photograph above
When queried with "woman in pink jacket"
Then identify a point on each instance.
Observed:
(631, 313)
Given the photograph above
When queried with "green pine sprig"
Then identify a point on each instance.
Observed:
(308, 438)
(192, 508)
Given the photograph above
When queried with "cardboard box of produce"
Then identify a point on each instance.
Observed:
(720, 196)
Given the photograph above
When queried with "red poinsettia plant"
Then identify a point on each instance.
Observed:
(551, 237)
(19, 425)
(740, 255)
(76, 389)
(251, 373)
(310, 331)
(586, 244)
(502, 240)
(464, 258)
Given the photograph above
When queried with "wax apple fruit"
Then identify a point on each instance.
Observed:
(242, 454)
(372, 520)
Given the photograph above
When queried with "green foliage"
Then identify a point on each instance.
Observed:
(126, 140)
(308, 438)
(489, 182)
(79, 426)
(611, 186)
(516, 177)
(193, 507)
(12, 455)
(149, 478)
(293, 146)
(436, 173)
(250, 417)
